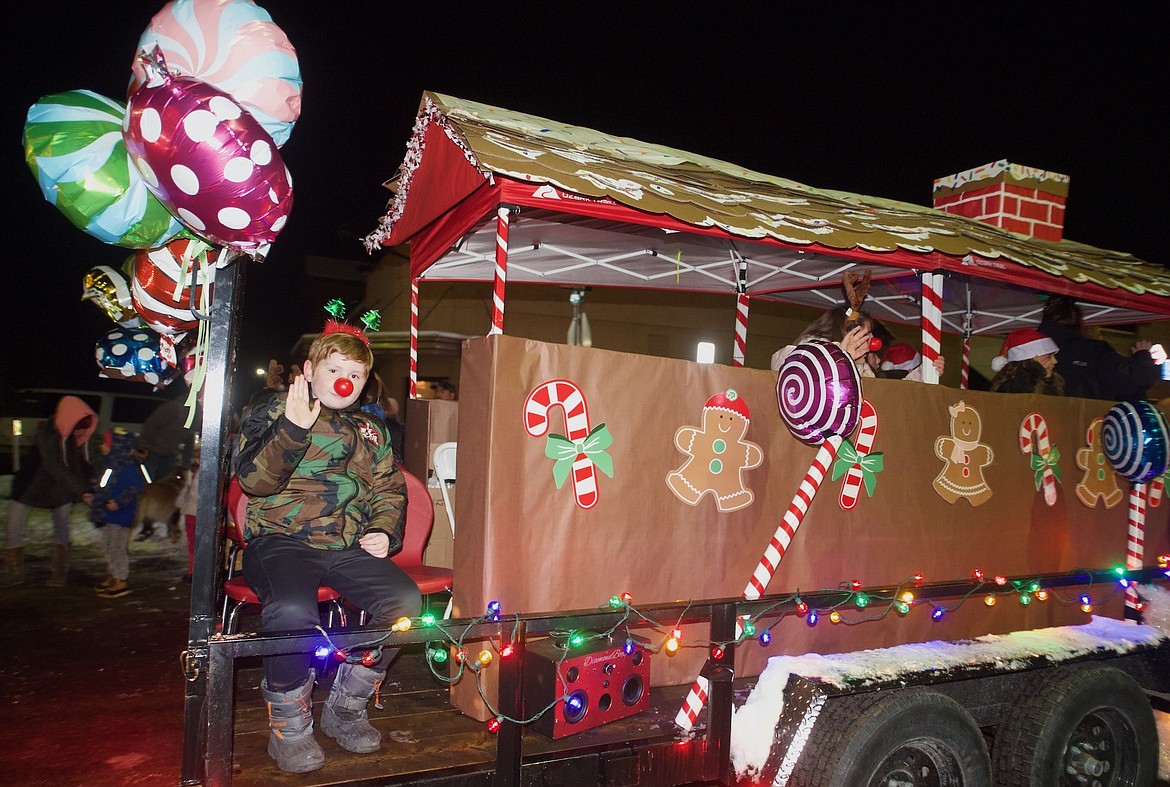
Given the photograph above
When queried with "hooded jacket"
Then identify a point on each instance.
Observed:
(61, 472)
(1091, 368)
(121, 480)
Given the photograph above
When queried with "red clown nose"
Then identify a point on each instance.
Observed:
(875, 344)
(343, 386)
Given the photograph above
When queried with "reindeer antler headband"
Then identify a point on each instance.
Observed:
(856, 288)
(336, 323)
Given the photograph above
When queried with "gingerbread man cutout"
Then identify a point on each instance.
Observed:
(1099, 481)
(964, 458)
(717, 454)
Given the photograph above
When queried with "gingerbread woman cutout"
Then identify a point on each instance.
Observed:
(1099, 481)
(964, 458)
(717, 455)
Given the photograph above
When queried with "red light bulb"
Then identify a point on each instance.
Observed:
(875, 344)
(343, 386)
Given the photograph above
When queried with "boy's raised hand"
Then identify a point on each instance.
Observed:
(298, 408)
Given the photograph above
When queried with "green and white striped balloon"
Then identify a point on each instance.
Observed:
(73, 145)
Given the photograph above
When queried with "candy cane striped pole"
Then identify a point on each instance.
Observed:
(1136, 540)
(1034, 440)
(741, 319)
(866, 434)
(503, 219)
(932, 288)
(773, 554)
(414, 337)
(965, 364)
(965, 368)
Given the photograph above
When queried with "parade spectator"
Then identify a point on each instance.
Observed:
(166, 440)
(900, 361)
(56, 475)
(445, 390)
(1027, 364)
(188, 508)
(113, 505)
(377, 401)
(327, 506)
(1090, 367)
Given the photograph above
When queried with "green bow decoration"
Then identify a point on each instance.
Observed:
(1040, 463)
(870, 464)
(564, 452)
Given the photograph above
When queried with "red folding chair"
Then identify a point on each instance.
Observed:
(420, 519)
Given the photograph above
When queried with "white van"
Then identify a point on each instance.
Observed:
(23, 412)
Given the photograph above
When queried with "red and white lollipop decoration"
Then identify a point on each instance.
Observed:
(1034, 441)
(566, 395)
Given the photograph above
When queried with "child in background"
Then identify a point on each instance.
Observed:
(188, 507)
(112, 507)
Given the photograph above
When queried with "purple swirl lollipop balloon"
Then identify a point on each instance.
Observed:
(819, 392)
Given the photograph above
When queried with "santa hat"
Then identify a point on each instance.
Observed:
(1021, 345)
(728, 400)
(902, 357)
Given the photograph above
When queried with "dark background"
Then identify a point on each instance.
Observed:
(878, 100)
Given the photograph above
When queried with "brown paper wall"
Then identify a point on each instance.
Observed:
(526, 543)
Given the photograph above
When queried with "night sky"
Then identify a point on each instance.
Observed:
(856, 100)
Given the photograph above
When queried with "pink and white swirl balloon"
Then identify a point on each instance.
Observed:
(204, 157)
(819, 392)
(235, 46)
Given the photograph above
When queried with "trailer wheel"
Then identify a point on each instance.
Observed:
(1090, 725)
(906, 738)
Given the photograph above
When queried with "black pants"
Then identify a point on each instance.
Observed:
(285, 573)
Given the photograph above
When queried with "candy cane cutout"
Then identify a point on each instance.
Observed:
(693, 705)
(965, 368)
(1034, 440)
(565, 394)
(866, 434)
(774, 553)
(1157, 489)
(1136, 539)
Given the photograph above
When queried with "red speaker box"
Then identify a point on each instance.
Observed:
(593, 685)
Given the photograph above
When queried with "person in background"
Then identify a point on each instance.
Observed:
(166, 439)
(112, 508)
(1091, 368)
(377, 402)
(1027, 364)
(188, 508)
(445, 390)
(900, 361)
(56, 476)
(327, 505)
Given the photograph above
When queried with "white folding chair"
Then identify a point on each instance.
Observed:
(444, 462)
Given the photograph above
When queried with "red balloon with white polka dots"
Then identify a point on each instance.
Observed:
(208, 160)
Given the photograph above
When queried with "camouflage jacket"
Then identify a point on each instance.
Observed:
(326, 485)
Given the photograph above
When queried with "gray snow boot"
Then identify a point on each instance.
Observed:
(290, 717)
(344, 717)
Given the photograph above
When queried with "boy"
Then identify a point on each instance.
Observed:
(112, 507)
(327, 506)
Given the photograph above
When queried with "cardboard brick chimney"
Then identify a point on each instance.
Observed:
(1021, 199)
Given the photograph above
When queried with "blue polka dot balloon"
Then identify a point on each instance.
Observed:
(133, 354)
(1135, 441)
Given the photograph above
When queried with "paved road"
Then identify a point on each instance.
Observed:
(92, 690)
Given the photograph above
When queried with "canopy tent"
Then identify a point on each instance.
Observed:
(487, 194)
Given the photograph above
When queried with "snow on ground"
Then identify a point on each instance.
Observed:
(754, 722)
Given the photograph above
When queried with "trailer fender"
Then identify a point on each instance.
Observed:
(1085, 724)
(911, 737)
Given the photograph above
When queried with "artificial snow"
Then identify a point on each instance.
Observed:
(753, 724)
